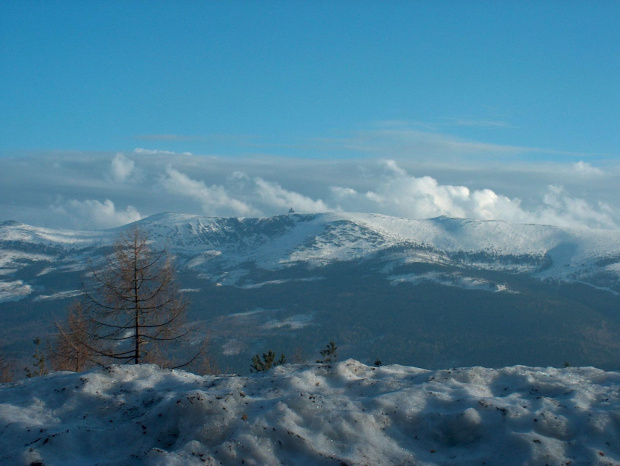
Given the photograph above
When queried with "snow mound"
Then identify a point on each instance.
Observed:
(348, 413)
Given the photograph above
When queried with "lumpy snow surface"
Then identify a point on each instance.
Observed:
(348, 413)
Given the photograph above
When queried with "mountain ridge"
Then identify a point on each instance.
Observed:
(275, 242)
(466, 291)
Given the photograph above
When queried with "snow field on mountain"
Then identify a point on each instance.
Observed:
(14, 290)
(12, 231)
(452, 234)
(456, 280)
(320, 239)
(348, 413)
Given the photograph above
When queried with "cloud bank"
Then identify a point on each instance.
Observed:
(400, 194)
(95, 213)
(108, 190)
(214, 200)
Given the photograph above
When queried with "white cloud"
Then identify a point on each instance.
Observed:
(404, 141)
(391, 166)
(566, 194)
(564, 210)
(584, 168)
(275, 195)
(249, 194)
(340, 192)
(122, 167)
(430, 142)
(397, 193)
(237, 175)
(91, 213)
(215, 200)
(142, 151)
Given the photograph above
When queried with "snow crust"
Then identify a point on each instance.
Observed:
(14, 290)
(348, 413)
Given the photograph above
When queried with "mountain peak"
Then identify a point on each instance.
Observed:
(9, 223)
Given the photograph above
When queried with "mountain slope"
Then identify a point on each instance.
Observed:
(467, 292)
(321, 239)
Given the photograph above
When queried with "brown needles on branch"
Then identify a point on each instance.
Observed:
(131, 311)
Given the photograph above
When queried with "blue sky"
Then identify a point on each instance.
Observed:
(520, 98)
(243, 77)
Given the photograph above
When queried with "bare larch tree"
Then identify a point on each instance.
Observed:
(131, 309)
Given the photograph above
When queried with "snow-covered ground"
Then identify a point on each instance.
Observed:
(346, 414)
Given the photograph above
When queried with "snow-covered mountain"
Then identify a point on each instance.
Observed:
(300, 273)
(592, 256)
(348, 413)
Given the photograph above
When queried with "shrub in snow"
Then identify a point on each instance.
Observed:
(329, 354)
(269, 360)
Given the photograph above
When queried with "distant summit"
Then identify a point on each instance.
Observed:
(8, 223)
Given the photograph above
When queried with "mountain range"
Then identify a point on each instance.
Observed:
(433, 293)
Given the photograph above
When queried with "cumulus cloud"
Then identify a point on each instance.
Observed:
(398, 193)
(339, 192)
(565, 194)
(91, 213)
(393, 167)
(564, 210)
(275, 195)
(215, 200)
(584, 168)
(122, 167)
(240, 195)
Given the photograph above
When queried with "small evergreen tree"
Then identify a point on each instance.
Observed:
(269, 361)
(6, 369)
(329, 354)
(39, 365)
